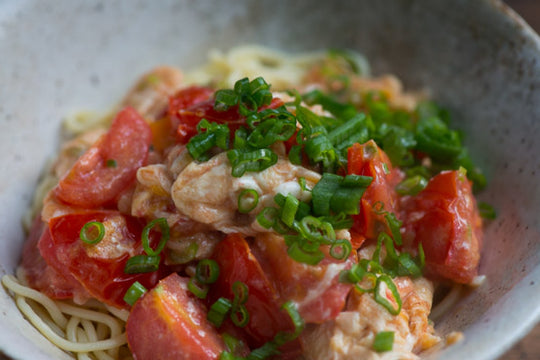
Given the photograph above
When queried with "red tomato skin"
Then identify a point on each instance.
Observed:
(169, 323)
(369, 160)
(43, 277)
(237, 263)
(102, 276)
(91, 183)
(444, 218)
(315, 289)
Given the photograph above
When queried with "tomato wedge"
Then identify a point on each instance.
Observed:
(315, 289)
(445, 220)
(110, 165)
(237, 263)
(169, 323)
(98, 268)
(369, 160)
(43, 277)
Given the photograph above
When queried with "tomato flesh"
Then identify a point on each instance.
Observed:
(110, 165)
(315, 289)
(369, 160)
(98, 268)
(237, 263)
(168, 322)
(42, 276)
(445, 220)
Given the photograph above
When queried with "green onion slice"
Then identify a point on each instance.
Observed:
(240, 315)
(92, 232)
(207, 271)
(383, 285)
(197, 289)
(247, 200)
(310, 258)
(241, 293)
(219, 311)
(165, 234)
(412, 185)
(341, 249)
(384, 341)
(142, 264)
(267, 217)
(135, 291)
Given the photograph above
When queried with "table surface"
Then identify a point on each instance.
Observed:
(529, 347)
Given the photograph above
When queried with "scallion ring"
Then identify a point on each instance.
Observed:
(207, 271)
(384, 283)
(341, 249)
(218, 311)
(165, 234)
(135, 291)
(142, 264)
(197, 289)
(240, 315)
(247, 200)
(92, 232)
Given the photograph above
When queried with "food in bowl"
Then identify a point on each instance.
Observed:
(287, 206)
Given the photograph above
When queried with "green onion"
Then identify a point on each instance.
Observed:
(289, 209)
(162, 223)
(341, 249)
(316, 230)
(197, 289)
(412, 185)
(384, 341)
(142, 264)
(295, 155)
(219, 311)
(247, 200)
(240, 316)
(241, 293)
(256, 160)
(487, 211)
(407, 266)
(135, 291)
(296, 319)
(232, 343)
(88, 233)
(299, 255)
(384, 282)
(111, 163)
(224, 99)
(207, 271)
(267, 217)
(322, 193)
(209, 136)
(395, 225)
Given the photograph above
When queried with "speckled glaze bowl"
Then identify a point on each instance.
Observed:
(476, 57)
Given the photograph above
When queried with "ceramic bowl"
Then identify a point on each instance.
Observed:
(477, 58)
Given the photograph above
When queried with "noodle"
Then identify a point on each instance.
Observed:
(70, 338)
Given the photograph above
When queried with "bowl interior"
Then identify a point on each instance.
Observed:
(477, 59)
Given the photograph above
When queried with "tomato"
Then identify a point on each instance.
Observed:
(98, 268)
(41, 276)
(193, 104)
(445, 220)
(369, 160)
(315, 289)
(237, 263)
(168, 322)
(110, 165)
